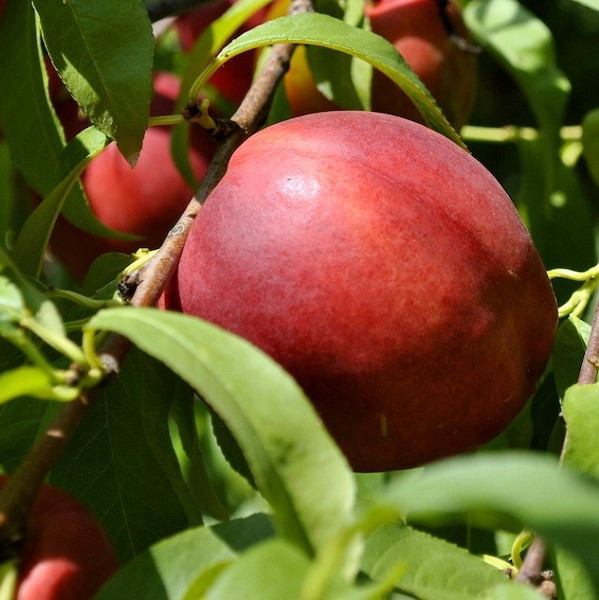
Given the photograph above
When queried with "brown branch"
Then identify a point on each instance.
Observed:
(532, 566)
(19, 492)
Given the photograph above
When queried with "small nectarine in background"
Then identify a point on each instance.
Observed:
(66, 554)
(388, 271)
(234, 78)
(145, 200)
(420, 34)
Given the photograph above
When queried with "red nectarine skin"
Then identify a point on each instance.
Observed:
(66, 554)
(388, 271)
(146, 200)
(417, 31)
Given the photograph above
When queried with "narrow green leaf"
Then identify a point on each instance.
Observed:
(21, 421)
(524, 45)
(295, 464)
(572, 579)
(167, 569)
(580, 409)
(32, 295)
(556, 209)
(24, 381)
(8, 579)
(121, 462)
(568, 351)
(434, 568)
(213, 38)
(328, 32)
(271, 570)
(29, 124)
(12, 303)
(594, 4)
(509, 490)
(590, 142)
(113, 88)
(33, 238)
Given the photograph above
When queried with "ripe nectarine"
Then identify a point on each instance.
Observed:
(388, 271)
(66, 554)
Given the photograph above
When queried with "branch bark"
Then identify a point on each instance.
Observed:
(19, 492)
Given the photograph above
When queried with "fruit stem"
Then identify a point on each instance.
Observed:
(166, 120)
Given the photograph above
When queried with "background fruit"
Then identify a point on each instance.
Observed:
(234, 78)
(66, 555)
(388, 271)
(417, 31)
(145, 200)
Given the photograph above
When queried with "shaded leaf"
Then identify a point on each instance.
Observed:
(167, 569)
(33, 238)
(568, 351)
(580, 408)
(524, 45)
(121, 462)
(590, 143)
(113, 88)
(510, 490)
(291, 455)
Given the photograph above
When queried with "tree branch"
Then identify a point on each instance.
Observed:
(19, 492)
(532, 565)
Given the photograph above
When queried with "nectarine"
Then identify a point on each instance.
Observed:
(235, 77)
(145, 200)
(388, 271)
(66, 554)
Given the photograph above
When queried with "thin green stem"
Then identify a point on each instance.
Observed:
(166, 120)
(81, 299)
(511, 133)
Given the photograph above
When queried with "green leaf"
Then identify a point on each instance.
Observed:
(434, 568)
(12, 303)
(213, 38)
(291, 455)
(508, 490)
(121, 462)
(8, 579)
(568, 351)
(113, 88)
(572, 579)
(523, 44)
(328, 32)
(21, 421)
(271, 570)
(556, 209)
(333, 74)
(580, 409)
(590, 143)
(515, 591)
(29, 123)
(167, 569)
(32, 381)
(33, 238)
(594, 4)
